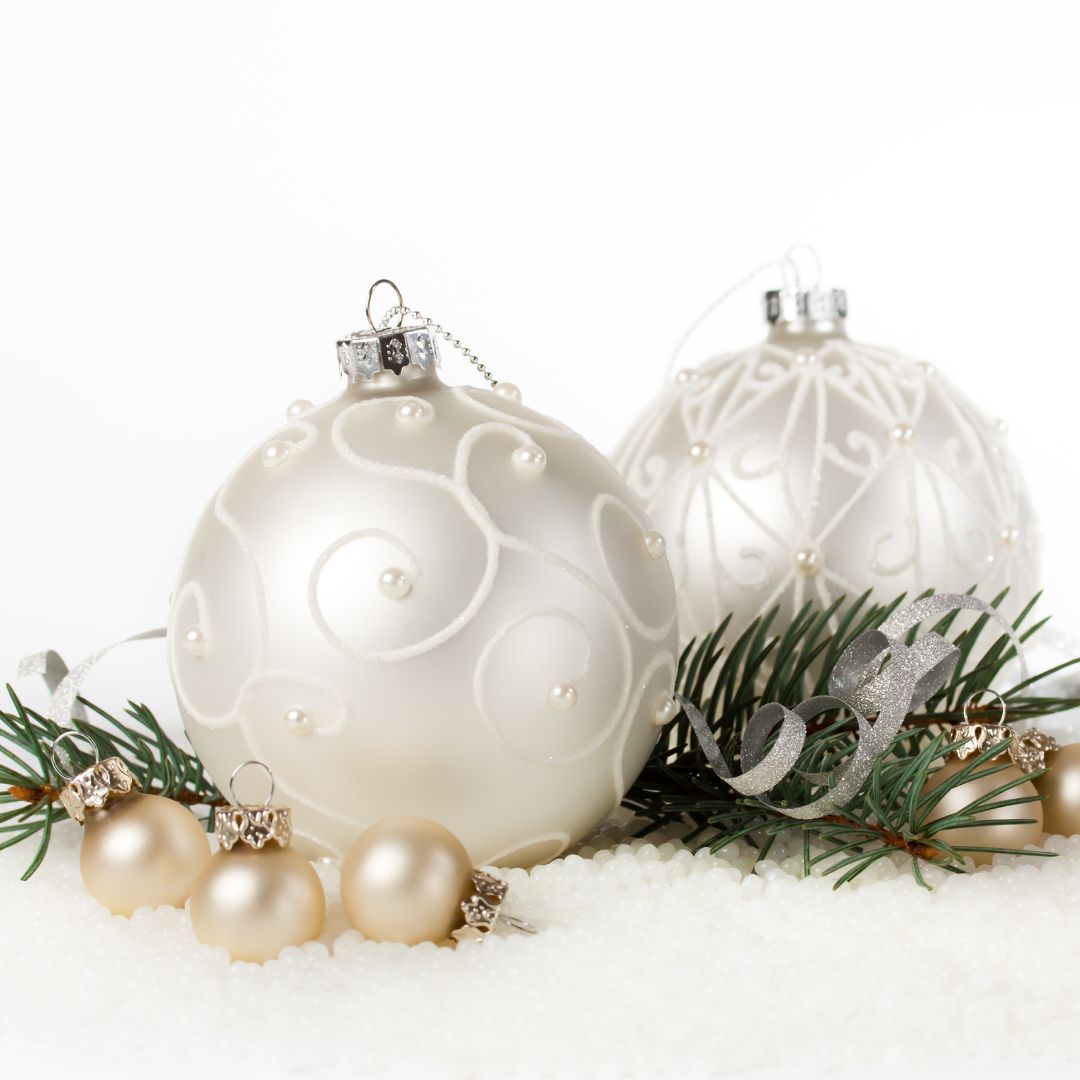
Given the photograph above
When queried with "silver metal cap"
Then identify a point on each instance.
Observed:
(362, 355)
(811, 305)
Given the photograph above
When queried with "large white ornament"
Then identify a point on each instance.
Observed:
(429, 601)
(810, 467)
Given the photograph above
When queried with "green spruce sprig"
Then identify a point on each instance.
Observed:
(729, 679)
(33, 783)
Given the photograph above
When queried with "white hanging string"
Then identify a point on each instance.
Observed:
(790, 276)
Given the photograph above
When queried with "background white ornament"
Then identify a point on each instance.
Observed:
(427, 600)
(810, 467)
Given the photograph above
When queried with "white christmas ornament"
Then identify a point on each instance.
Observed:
(425, 600)
(810, 467)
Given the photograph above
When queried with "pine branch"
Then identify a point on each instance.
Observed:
(728, 681)
(29, 778)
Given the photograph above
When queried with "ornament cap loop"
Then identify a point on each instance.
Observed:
(102, 784)
(400, 305)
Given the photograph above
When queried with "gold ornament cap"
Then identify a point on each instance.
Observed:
(483, 909)
(1027, 750)
(253, 824)
(97, 787)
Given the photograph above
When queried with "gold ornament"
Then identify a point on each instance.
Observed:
(1060, 788)
(1026, 753)
(137, 850)
(407, 879)
(257, 895)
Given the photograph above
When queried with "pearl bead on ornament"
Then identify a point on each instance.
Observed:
(142, 851)
(394, 583)
(404, 880)
(700, 451)
(807, 562)
(1010, 536)
(194, 642)
(924, 367)
(298, 722)
(275, 453)
(902, 434)
(509, 391)
(667, 708)
(655, 544)
(805, 357)
(530, 460)
(1001, 426)
(297, 408)
(414, 411)
(686, 375)
(562, 697)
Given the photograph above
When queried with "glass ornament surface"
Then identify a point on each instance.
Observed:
(810, 467)
(425, 600)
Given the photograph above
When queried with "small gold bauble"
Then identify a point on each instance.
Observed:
(255, 902)
(404, 880)
(988, 835)
(142, 850)
(1060, 788)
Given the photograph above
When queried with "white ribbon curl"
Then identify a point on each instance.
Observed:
(877, 674)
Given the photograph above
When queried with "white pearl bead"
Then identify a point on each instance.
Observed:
(298, 722)
(655, 544)
(686, 375)
(1010, 535)
(530, 459)
(562, 697)
(805, 357)
(902, 434)
(194, 641)
(924, 367)
(667, 708)
(413, 411)
(509, 391)
(700, 451)
(807, 562)
(395, 583)
(275, 453)
(1001, 426)
(298, 408)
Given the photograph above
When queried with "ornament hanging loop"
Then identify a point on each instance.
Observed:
(60, 771)
(972, 698)
(240, 768)
(399, 307)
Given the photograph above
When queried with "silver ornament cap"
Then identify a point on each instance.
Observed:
(805, 305)
(365, 353)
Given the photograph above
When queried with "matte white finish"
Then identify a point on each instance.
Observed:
(400, 619)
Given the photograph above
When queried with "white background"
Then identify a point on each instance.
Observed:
(195, 198)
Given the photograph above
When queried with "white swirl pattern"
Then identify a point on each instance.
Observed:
(433, 699)
(836, 470)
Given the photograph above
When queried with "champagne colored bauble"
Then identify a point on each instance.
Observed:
(142, 850)
(419, 599)
(254, 903)
(810, 467)
(1060, 788)
(404, 880)
(988, 835)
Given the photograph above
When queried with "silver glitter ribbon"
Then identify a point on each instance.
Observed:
(64, 685)
(877, 674)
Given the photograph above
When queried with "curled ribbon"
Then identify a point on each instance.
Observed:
(878, 673)
(64, 685)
